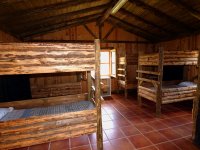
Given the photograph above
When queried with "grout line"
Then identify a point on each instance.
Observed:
(90, 144)
(49, 146)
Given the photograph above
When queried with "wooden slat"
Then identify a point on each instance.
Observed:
(147, 80)
(31, 58)
(56, 90)
(148, 72)
(41, 102)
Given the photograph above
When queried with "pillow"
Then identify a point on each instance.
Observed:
(186, 83)
(4, 111)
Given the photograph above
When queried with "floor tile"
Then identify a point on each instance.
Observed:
(170, 134)
(144, 127)
(61, 145)
(114, 134)
(182, 130)
(79, 141)
(149, 148)
(86, 147)
(122, 122)
(40, 147)
(167, 146)
(139, 141)
(106, 118)
(130, 130)
(157, 125)
(122, 144)
(155, 137)
(184, 144)
(170, 122)
(116, 116)
(135, 120)
(109, 125)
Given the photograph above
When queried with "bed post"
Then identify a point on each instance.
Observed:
(160, 78)
(195, 110)
(125, 74)
(89, 82)
(98, 96)
(139, 82)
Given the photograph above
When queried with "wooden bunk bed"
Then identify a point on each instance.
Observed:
(151, 85)
(124, 80)
(83, 114)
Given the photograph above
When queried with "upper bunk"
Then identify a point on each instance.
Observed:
(169, 58)
(34, 58)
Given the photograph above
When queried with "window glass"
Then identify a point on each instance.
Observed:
(104, 57)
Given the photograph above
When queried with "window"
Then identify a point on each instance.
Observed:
(108, 63)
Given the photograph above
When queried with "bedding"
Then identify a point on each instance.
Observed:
(40, 111)
(180, 85)
(4, 111)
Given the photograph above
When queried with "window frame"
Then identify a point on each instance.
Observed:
(110, 63)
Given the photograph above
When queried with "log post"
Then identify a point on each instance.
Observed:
(159, 87)
(195, 111)
(89, 83)
(139, 82)
(125, 73)
(98, 96)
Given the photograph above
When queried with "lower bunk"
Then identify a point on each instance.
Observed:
(43, 120)
(170, 92)
(127, 86)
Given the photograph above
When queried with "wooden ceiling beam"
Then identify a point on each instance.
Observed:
(91, 41)
(37, 23)
(90, 31)
(135, 27)
(128, 29)
(109, 11)
(60, 26)
(38, 10)
(109, 32)
(162, 15)
(185, 7)
(130, 14)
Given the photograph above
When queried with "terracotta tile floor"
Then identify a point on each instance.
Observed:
(126, 126)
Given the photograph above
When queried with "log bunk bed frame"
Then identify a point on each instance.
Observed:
(123, 80)
(34, 58)
(159, 95)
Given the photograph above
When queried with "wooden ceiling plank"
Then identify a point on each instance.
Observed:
(108, 12)
(131, 31)
(48, 8)
(109, 32)
(60, 26)
(91, 41)
(37, 23)
(187, 8)
(3, 2)
(162, 15)
(136, 27)
(130, 14)
(89, 31)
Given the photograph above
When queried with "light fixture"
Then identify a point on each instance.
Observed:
(117, 6)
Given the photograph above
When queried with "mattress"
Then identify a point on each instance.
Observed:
(176, 86)
(49, 110)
